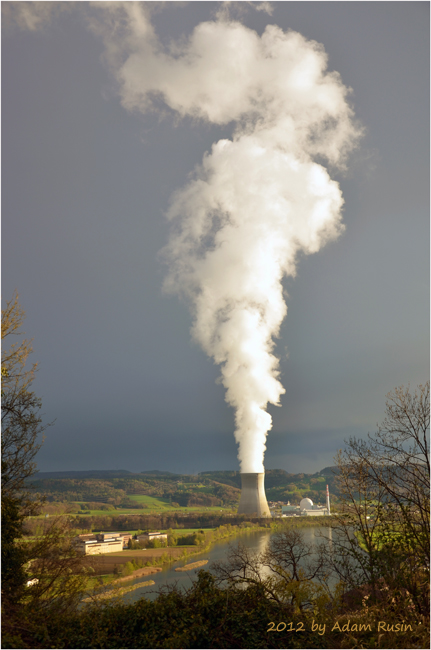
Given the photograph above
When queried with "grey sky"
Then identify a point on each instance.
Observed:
(85, 186)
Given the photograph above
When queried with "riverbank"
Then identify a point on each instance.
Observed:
(301, 522)
(114, 563)
(117, 593)
(193, 565)
(133, 561)
(255, 542)
(138, 573)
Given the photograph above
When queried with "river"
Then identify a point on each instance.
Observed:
(168, 576)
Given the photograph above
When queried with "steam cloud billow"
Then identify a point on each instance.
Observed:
(257, 200)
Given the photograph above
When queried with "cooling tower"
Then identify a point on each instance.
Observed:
(253, 499)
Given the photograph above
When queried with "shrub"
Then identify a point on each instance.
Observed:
(127, 569)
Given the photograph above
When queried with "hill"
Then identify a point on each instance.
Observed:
(283, 486)
(120, 489)
(81, 474)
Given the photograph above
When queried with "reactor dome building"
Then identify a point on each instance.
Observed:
(306, 504)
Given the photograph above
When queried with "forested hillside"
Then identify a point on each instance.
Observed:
(282, 486)
(112, 490)
(173, 489)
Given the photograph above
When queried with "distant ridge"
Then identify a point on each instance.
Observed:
(330, 471)
(91, 473)
(273, 477)
(229, 477)
(159, 471)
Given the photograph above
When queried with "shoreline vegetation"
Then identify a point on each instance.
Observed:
(193, 565)
(138, 573)
(135, 563)
(117, 593)
(133, 568)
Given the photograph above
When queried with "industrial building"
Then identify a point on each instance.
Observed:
(306, 508)
(146, 537)
(97, 544)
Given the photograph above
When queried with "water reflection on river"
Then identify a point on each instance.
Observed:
(253, 541)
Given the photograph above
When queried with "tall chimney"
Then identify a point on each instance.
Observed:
(253, 499)
(327, 501)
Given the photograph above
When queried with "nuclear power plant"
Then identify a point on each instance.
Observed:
(253, 499)
(307, 508)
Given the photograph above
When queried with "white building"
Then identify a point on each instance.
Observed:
(95, 545)
(308, 509)
(146, 537)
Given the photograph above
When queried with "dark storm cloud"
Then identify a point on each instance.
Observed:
(85, 188)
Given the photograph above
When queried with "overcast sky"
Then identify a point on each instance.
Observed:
(87, 182)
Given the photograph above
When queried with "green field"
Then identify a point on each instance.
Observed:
(155, 509)
(151, 505)
(151, 502)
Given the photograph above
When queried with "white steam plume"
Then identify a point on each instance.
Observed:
(257, 200)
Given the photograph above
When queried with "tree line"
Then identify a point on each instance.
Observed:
(115, 492)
